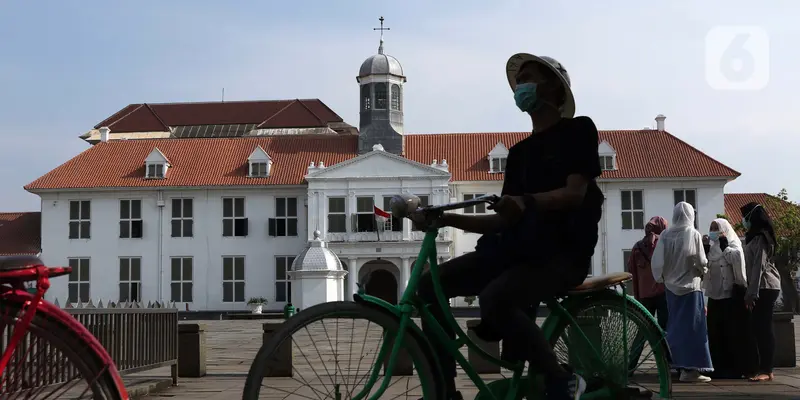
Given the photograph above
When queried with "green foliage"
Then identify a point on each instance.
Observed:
(723, 216)
(785, 216)
(257, 300)
(470, 299)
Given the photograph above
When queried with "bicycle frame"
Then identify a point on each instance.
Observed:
(410, 301)
(12, 289)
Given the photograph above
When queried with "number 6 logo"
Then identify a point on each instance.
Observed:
(737, 58)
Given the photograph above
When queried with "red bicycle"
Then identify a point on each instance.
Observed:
(48, 354)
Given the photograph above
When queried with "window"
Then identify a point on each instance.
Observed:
(79, 219)
(337, 216)
(259, 169)
(285, 221)
(380, 96)
(393, 224)
(78, 290)
(283, 286)
(423, 201)
(155, 171)
(233, 221)
(632, 209)
(130, 219)
(364, 218)
(181, 280)
(476, 209)
(396, 99)
(233, 279)
(182, 214)
(130, 279)
(689, 196)
(498, 164)
(366, 102)
(607, 163)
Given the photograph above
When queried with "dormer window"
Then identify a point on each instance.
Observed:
(259, 163)
(156, 165)
(608, 156)
(607, 163)
(497, 158)
(155, 171)
(498, 164)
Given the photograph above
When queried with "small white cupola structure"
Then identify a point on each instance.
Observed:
(497, 158)
(608, 156)
(156, 165)
(317, 275)
(259, 163)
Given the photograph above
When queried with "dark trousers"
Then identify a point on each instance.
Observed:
(763, 329)
(656, 306)
(730, 340)
(506, 295)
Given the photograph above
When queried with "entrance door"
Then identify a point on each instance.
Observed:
(382, 284)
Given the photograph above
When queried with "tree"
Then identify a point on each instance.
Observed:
(470, 299)
(786, 218)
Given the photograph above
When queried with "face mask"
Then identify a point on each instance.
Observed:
(525, 96)
(713, 235)
(746, 224)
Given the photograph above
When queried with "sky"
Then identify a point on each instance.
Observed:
(67, 65)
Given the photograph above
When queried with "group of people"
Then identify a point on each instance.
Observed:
(676, 267)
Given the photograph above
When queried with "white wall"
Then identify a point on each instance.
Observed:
(658, 200)
(207, 247)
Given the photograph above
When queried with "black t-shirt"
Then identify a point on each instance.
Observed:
(541, 163)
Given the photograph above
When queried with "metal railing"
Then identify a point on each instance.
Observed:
(138, 338)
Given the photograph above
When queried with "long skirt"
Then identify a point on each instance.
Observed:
(730, 339)
(687, 334)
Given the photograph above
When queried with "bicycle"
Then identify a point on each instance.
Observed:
(56, 352)
(579, 315)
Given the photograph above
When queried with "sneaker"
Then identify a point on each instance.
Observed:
(693, 376)
(574, 388)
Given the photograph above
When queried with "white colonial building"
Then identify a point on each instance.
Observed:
(208, 204)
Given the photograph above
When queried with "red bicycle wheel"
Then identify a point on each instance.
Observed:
(51, 361)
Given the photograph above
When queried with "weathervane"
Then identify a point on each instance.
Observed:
(380, 48)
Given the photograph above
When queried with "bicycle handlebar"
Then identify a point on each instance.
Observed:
(403, 205)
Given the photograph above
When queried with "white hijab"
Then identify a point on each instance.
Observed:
(679, 259)
(734, 244)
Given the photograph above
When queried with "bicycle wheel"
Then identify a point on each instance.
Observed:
(51, 361)
(319, 329)
(601, 318)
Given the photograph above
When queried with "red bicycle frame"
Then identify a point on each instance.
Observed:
(13, 291)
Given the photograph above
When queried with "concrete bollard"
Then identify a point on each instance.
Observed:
(480, 364)
(279, 364)
(191, 350)
(404, 365)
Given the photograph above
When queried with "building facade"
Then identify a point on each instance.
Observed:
(207, 204)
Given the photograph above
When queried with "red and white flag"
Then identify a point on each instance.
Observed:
(380, 214)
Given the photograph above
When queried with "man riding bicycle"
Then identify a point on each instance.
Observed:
(540, 242)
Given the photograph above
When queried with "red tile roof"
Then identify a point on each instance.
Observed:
(20, 233)
(268, 114)
(735, 201)
(466, 154)
(223, 161)
(197, 162)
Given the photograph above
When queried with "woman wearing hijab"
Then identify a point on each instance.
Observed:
(763, 284)
(645, 289)
(725, 283)
(679, 261)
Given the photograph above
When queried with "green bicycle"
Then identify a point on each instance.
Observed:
(598, 330)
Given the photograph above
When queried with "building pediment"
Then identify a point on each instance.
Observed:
(379, 164)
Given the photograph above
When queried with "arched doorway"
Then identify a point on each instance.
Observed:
(379, 279)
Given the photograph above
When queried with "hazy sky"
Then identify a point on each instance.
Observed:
(66, 65)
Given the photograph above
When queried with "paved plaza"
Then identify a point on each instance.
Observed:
(233, 344)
